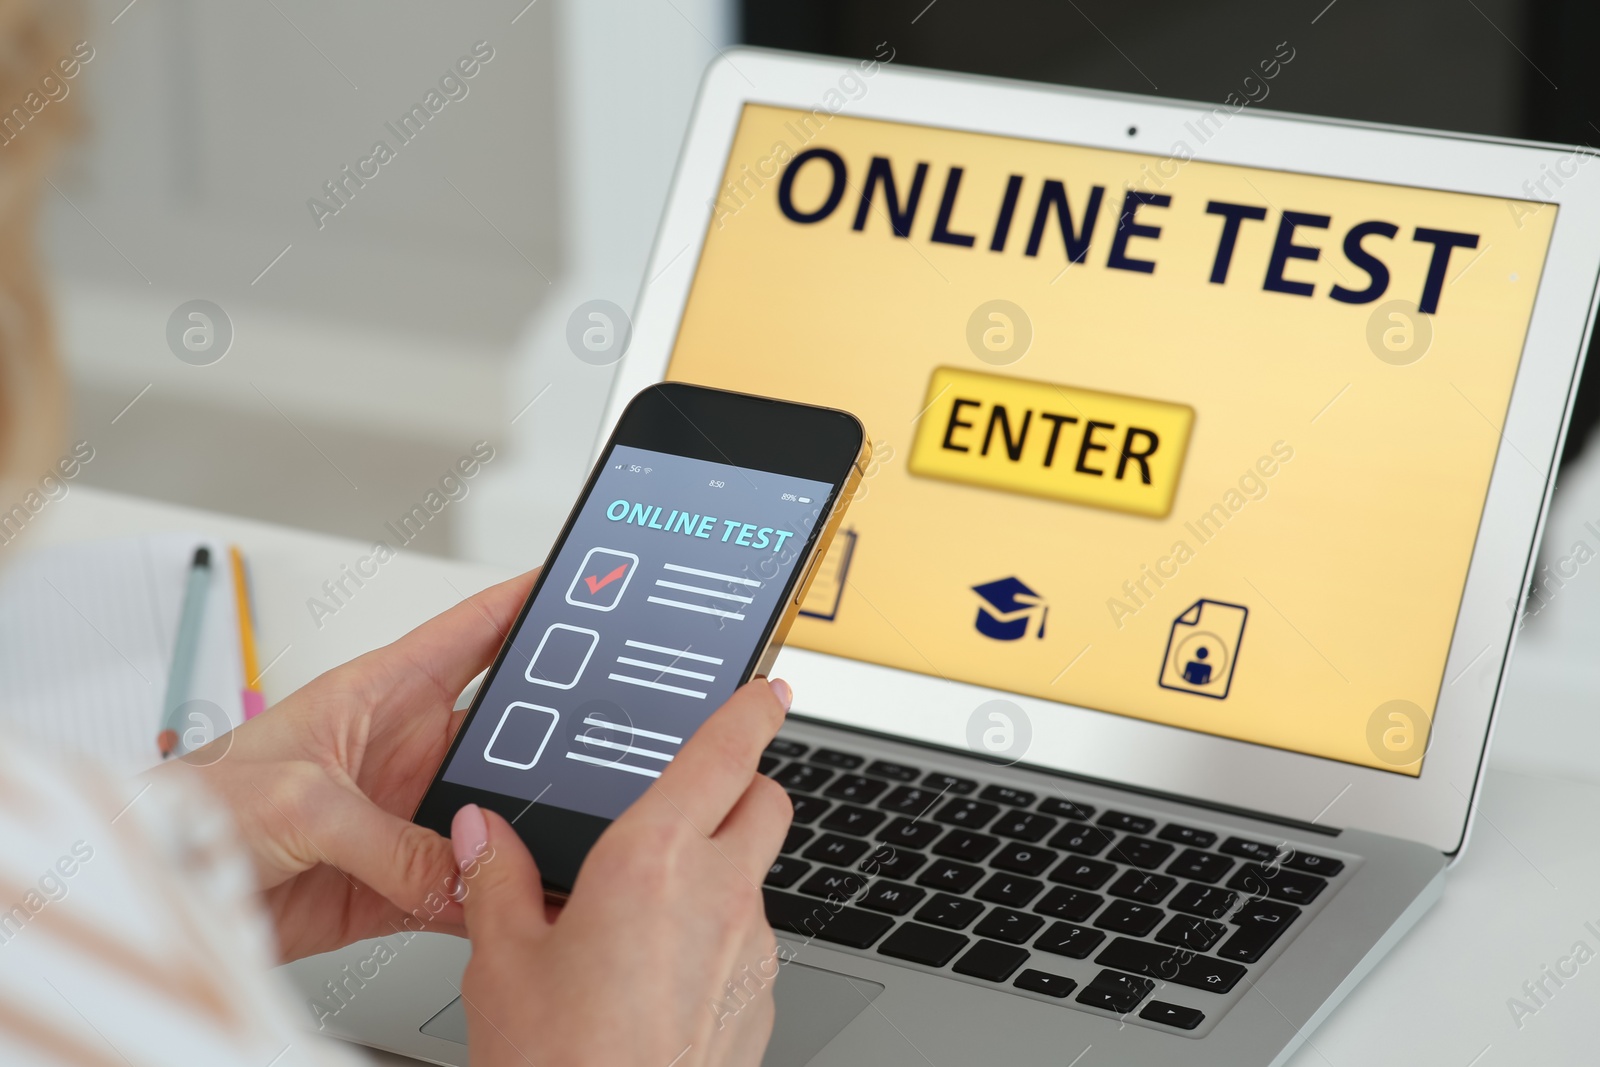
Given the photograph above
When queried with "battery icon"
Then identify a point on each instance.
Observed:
(804, 499)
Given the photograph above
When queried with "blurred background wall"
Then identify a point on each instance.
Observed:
(375, 344)
(377, 337)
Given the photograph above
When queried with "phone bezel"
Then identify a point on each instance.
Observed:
(697, 422)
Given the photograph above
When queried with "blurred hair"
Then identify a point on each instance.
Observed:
(34, 36)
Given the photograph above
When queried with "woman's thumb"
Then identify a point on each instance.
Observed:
(501, 892)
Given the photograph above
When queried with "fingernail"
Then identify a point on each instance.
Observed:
(469, 836)
(781, 690)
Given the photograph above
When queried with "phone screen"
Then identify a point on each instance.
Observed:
(646, 620)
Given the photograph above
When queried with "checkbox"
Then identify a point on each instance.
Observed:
(602, 579)
(562, 655)
(521, 734)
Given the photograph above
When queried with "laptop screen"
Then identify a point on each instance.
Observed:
(1204, 445)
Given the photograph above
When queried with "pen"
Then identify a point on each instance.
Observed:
(183, 652)
(255, 702)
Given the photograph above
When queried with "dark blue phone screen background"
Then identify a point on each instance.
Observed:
(648, 615)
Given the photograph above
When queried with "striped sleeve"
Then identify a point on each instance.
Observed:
(130, 934)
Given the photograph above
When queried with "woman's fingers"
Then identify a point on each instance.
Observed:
(753, 832)
(409, 865)
(453, 646)
(502, 893)
(714, 768)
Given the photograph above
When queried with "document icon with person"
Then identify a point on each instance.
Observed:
(1203, 648)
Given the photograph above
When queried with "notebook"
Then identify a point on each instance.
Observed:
(86, 640)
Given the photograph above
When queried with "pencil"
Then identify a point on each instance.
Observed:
(255, 702)
(183, 652)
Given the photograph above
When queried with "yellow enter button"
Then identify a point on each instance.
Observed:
(1102, 450)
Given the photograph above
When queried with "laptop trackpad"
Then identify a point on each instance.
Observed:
(813, 1006)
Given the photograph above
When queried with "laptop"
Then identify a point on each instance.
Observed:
(1143, 702)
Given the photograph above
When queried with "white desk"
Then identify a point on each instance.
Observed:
(1516, 904)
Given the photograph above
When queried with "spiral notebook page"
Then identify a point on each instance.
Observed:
(86, 637)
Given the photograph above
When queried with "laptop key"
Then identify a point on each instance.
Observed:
(1312, 864)
(1120, 993)
(971, 814)
(923, 944)
(892, 898)
(796, 837)
(898, 771)
(1292, 886)
(1143, 886)
(965, 845)
(802, 777)
(1009, 889)
(946, 910)
(1201, 866)
(1023, 859)
(1250, 850)
(991, 960)
(1085, 874)
(1067, 809)
(1159, 1011)
(1186, 835)
(1176, 965)
(834, 848)
(1128, 917)
(908, 833)
(908, 800)
(768, 764)
(1121, 820)
(1051, 985)
(891, 862)
(950, 875)
(1073, 904)
(786, 871)
(1188, 931)
(1069, 939)
(806, 809)
(849, 819)
(834, 884)
(1004, 794)
(1084, 840)
(1204, 900)
(1024, 825)
(782, 746)
(1260, 923)
(813, 918)
(1141, 852)
(856, 787)
(844, 761)
(1003, 924)
(949, 783)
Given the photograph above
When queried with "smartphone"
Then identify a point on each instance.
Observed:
(673, 582)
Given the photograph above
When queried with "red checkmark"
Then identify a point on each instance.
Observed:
(597, 584)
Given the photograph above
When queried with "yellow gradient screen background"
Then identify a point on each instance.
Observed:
(1350, 556)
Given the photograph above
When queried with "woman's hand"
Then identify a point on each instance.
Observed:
(324, 783)
(666, 918)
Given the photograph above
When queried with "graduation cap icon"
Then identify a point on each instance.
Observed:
(1008, 608)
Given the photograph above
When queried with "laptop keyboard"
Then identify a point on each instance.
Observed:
(1008, 888)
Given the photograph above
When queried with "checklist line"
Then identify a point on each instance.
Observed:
(681, 653)
(581, 758)
(705, 592)
(697, 694)
(679, 671)
(718, 612)
(618, 746)
(634, 730)
(711, 574)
